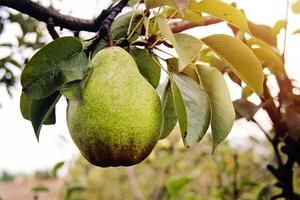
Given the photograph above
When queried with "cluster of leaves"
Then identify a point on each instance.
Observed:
(195, 95)
(10, 63)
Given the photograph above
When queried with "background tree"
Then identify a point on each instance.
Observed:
(239, 57)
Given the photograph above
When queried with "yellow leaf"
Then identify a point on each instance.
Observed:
(296, 7)
(223, 11)
(157, 3)
(239, 58)
(181, 5)
(263, 32)
(296, 31)
(270, 59)
(281, 24)
(189, 15)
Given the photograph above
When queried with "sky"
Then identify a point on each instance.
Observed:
(21, 153)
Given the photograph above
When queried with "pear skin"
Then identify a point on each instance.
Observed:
(119, 120)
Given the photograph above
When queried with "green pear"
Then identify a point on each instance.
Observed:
(119, 120)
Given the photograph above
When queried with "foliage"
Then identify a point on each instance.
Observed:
(181, 174)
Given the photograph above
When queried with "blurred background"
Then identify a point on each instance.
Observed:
(54, 169)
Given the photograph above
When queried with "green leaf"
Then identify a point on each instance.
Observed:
(56, 64)
(174, 185)
(55, 169)
(41, 110)
(179, 108)
(166, 30)
(182, 43)
(170, 118)
(223, 11)
(188, 48)
(120, 26)
(148, 65)
(132, 2)
(26, 106)
(239, 58)
(195, 122)
(223, 113)
(74, 90)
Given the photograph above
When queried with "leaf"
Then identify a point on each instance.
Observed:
(269, 59)
(120, 26)
(55, 169)
(223, 114)
(296, 32)
(244, 108)
(165, 30)
(74, 90)
(181, 5)
(263, 32)
(192, 108)
(181, 42)
(59, 62)
(172, 64)
(223, 11)
(26, 106)
(296, 7)
(157, 3)
(246, 92)
(179, 108)
(174, 185)
(41, 110)
(279, 25)
(239, 58)
(148, 65)
(189, 15)
(132, 2)
(170, 118)
(188, 48)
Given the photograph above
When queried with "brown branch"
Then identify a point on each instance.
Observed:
(43, 14)
(180, 26)
(51, 29)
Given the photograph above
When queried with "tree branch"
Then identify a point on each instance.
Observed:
(43, 14)
(180, 26)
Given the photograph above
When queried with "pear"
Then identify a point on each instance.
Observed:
(119, 120)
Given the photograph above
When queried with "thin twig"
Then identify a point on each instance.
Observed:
(51, 29)
(133, 183)
(286, 27)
